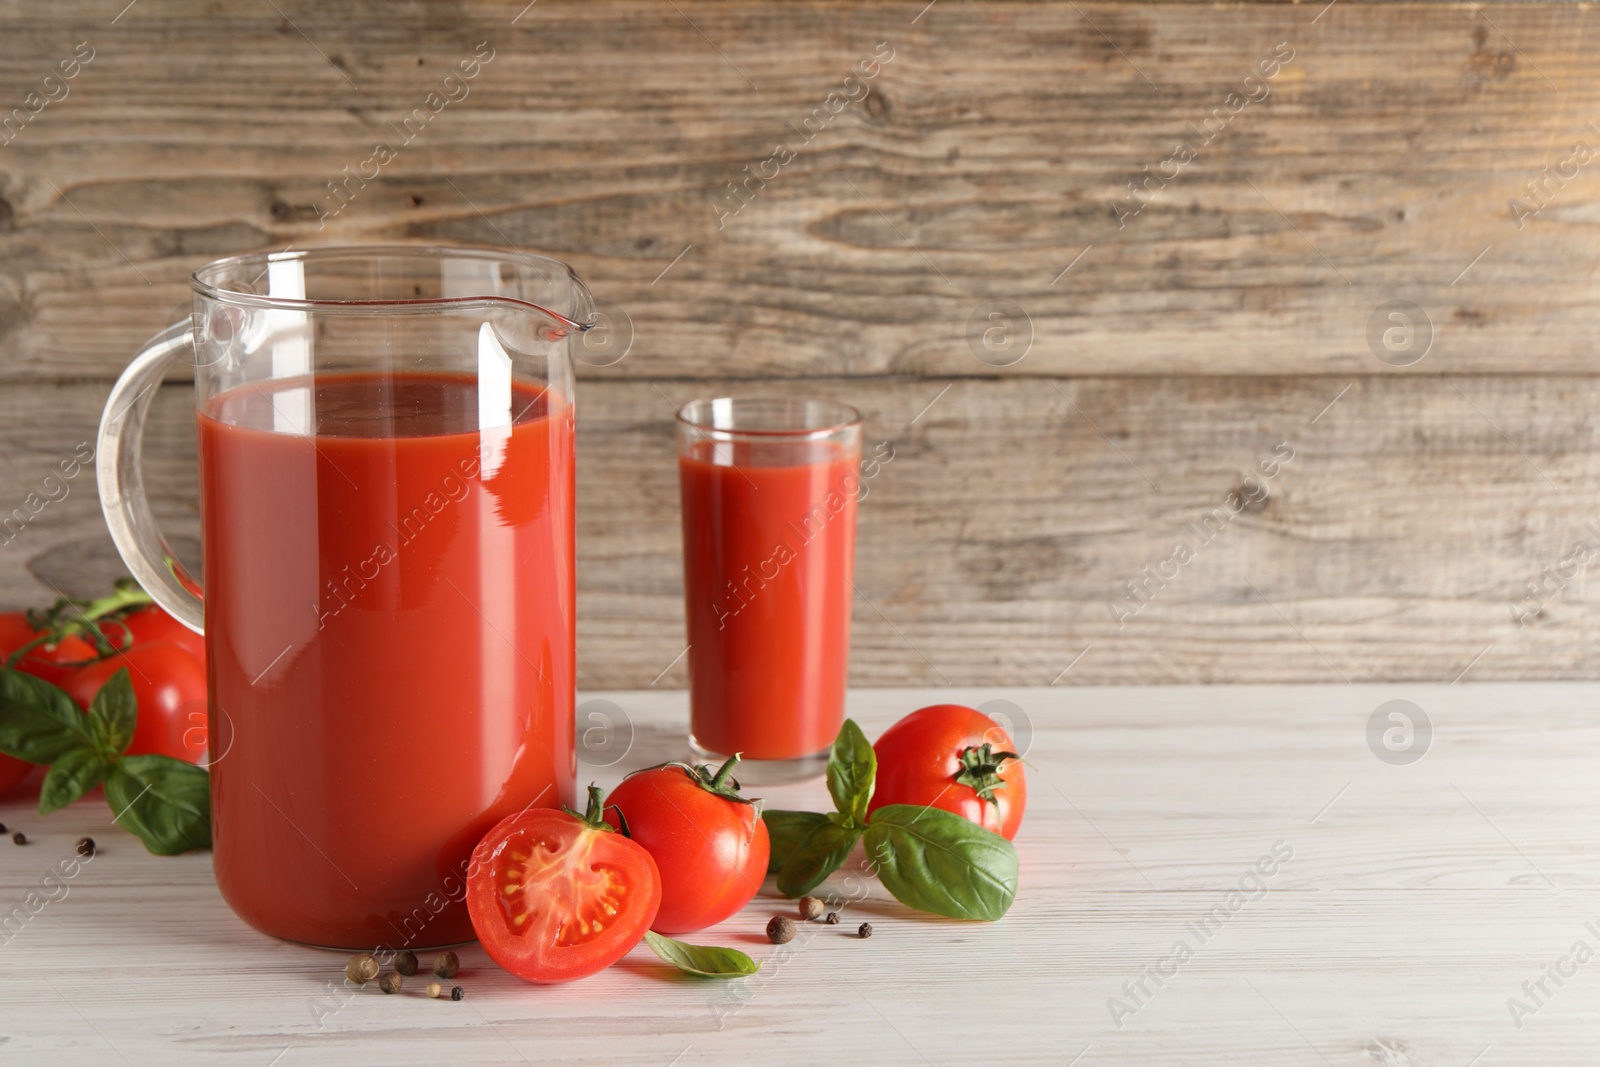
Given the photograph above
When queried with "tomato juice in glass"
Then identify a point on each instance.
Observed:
(386, 509)
(769, 490)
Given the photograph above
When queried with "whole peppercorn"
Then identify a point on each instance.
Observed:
(19, 838)
(780, 930)
(390, 982)
(810, 908)
(446, 964)
(361, 968)
(457, 993)
(434, 989)
(832, 919)
(85, 846)
(2, 827)
(865, 931)
(405, 962)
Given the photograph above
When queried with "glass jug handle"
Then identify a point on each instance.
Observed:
(122, 496)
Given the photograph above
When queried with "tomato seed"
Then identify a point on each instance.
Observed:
(780, 930)
(405, 962)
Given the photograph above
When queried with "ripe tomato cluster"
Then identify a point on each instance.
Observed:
(556, 895)
(80, 650)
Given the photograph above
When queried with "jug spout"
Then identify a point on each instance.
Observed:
(400, 277)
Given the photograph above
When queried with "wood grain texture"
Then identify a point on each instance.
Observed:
(1130, 395)
(998, 541)
(990, 151)
(1415, 900)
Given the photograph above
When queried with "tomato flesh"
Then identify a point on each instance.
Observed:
(553, 899)
(920, 757)
(712, 851)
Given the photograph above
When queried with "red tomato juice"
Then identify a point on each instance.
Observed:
(389, 632)
(769, 550)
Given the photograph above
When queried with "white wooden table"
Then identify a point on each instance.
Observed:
(1417, 900)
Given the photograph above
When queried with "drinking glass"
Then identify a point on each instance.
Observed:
(769, 493)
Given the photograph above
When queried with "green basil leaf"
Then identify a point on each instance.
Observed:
(708, 961)
(73, 774)
(38, 722)
(787, 831)
(165, 801)
(818, 856)
(852, 766)
(934, 860)
(112, 714)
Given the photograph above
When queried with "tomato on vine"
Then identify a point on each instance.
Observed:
(147, 625)
(170, 688)
(34, 650)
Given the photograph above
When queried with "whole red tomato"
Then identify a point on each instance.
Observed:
(53, 661)
(956, 758)
(709, 843)
(554, 896)
(170, 688)
(150, 624)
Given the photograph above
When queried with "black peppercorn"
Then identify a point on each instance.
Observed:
(85, 846)
(865, 931)
(457, 993)
(446, 964)
(832, 919)
(19, 838)
(390, 982)
(780, 930)
(405, 961)
(361, 968)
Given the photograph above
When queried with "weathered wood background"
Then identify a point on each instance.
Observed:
(1142, 368)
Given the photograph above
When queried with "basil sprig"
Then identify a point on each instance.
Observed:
(165, 801)
(707, 961)
(787, 830)
(928, 858)
(813, 845)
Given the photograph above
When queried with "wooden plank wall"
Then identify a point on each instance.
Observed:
(1085, 266)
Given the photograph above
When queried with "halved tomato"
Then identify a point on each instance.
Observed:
(555, 895)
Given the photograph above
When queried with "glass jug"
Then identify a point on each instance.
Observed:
(386, 503)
